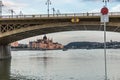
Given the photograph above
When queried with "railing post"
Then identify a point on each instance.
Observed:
(92, 14)
(40, 15)
(16, 16)
(65, 15)
(33, 16)
(74, 14)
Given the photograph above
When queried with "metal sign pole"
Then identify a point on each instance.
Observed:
(104, 19)
(105, 50)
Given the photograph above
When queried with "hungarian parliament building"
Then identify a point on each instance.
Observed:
(44, 43)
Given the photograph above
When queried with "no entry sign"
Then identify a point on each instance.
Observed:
(104, 14)
(104, 10)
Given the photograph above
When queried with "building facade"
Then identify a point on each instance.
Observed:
(14, 44)
(44, 43)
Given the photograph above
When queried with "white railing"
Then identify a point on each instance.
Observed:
(58, 15)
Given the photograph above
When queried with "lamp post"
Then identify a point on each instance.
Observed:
(1, 5)
(48, 3)
(105, 1)
(58, 11)
(104, 19)
(21, 13)
(12, 12)
(53, 9)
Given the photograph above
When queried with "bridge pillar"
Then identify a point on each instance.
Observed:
(5, 66)
(5, 52)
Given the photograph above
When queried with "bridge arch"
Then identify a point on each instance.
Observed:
(26, 32)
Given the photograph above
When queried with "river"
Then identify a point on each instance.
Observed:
(77, 64)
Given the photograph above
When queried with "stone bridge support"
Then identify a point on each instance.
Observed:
(5, 66)
(5, 52)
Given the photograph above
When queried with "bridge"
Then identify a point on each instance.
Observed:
(17, 27)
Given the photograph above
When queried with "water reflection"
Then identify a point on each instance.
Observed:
(5, 69)
(64, 65)
(45, 66)
(34, 67)
(45, 62)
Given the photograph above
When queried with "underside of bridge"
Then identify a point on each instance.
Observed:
(19, 34)
(16, 29)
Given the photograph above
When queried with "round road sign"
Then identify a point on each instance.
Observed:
(104, 10)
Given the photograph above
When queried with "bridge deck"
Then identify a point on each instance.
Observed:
(66, 15)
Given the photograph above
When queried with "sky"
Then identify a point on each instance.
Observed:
(64, 6)
(77, 36)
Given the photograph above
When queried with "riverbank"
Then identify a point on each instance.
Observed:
(23, 49)
(64, 49)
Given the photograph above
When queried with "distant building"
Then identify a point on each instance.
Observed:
(17, 45)
(14, 44)
(44, 43)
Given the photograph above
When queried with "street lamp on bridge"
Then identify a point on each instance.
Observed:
(105, 1)
(1, 5)
(12, 12)
(53, 9)
(48, 3)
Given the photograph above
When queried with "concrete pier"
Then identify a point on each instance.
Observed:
(5, 52)
(5, 66)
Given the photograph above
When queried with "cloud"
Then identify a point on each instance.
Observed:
(14, 5)
(115, 0)
(65, 6)
(102, 0)
(115, 8)
(96, 10)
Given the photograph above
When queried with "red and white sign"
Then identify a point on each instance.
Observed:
(104, 14)
(104, 10)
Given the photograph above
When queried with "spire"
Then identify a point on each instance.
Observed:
(45, 37)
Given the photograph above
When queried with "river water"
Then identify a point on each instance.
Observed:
(79, 64)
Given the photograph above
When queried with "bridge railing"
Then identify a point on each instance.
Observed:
(59, 15)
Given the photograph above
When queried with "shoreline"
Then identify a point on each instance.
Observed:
(26, 49)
